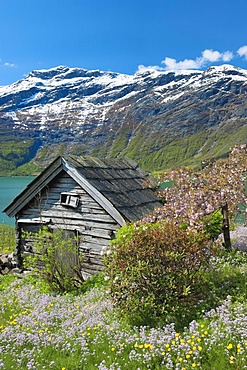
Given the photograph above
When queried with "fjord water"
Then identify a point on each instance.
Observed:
(10, 187)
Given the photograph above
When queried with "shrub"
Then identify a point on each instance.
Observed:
(155, 272)
(213, 224)
(56, 260)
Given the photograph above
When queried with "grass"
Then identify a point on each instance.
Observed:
(7, 238)
(42, 330)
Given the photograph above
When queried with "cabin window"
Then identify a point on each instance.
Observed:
(69, 199)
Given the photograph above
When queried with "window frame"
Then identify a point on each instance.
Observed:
(69, 199)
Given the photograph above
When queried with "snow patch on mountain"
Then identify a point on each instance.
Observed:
(76, 96)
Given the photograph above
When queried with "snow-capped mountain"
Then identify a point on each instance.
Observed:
(147, 116)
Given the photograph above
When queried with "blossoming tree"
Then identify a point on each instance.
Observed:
(220, 185)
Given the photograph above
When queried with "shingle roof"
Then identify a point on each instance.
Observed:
(121, 182)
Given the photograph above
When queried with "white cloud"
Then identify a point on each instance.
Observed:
(9, 65)
(227, 56)
(184, 64)
(142, 68)
(210, 55)
(207, 56)
(242, 52)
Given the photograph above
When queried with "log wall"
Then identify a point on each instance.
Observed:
(89, 220)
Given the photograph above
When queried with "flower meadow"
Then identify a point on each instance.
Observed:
(40, 330)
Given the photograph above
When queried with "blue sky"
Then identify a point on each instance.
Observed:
(120, 36)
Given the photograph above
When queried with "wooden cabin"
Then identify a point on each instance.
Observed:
(89, 197)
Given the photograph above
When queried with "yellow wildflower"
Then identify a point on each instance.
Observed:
(148, 345)
(229, 346)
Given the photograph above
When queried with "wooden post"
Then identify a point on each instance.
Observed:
(18, 245)
(226, 227)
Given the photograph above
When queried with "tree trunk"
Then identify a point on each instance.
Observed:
(226, 227)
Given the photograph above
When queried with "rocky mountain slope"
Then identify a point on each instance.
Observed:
(159, 119)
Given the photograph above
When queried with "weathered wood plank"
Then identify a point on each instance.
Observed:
(106, 234)
(89, 270)
(55, 203)
(92, 247)
(75, 225)
(55, 193)
(64, 188)
(92, 240)
(68, 215)
(93, 265)
(57, 206)
(32, 225)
